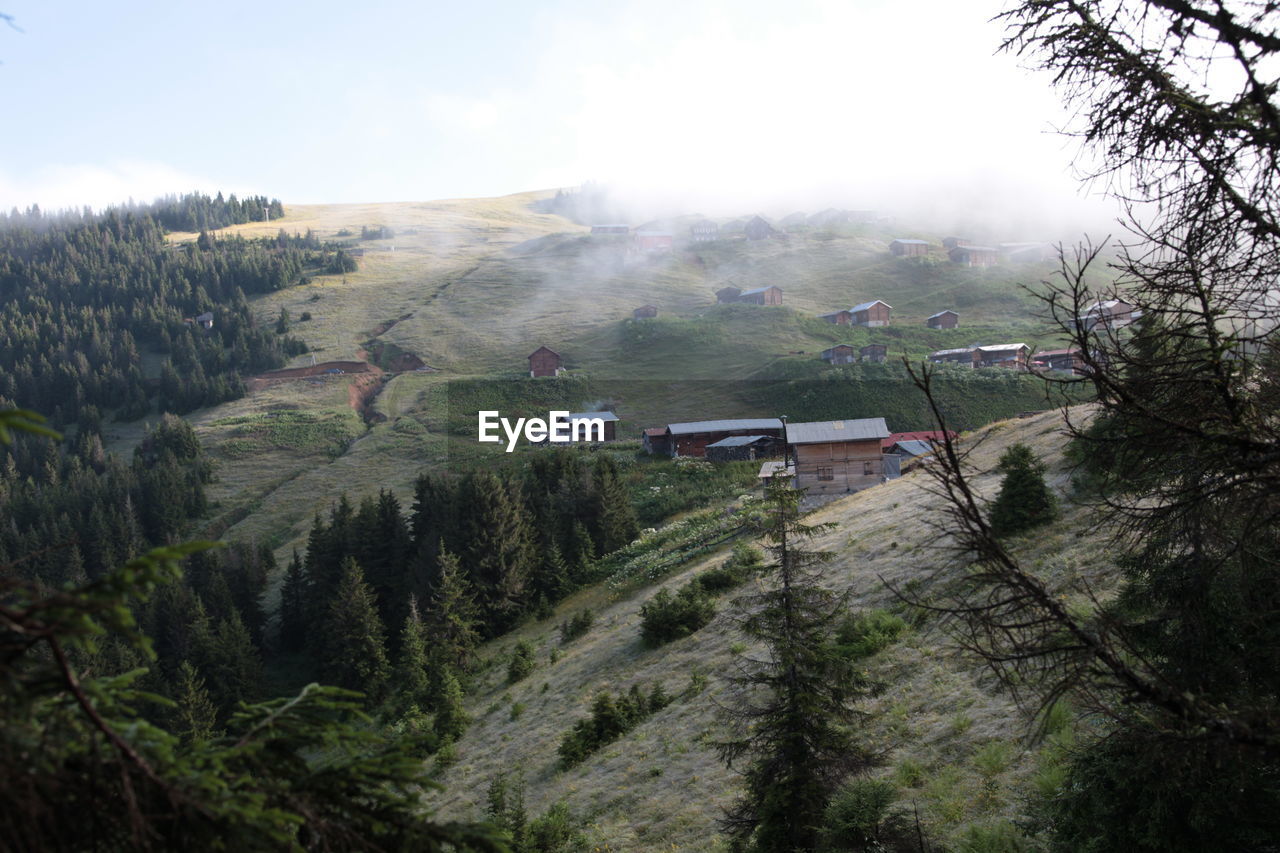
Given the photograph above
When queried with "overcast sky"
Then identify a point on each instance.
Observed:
(734, 103)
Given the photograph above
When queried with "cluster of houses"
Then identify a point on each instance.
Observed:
(966, 253)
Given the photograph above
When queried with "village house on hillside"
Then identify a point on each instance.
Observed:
(1067, 360)
(974, 256)
(727, 295)
(609, 418)
(840, 354)
(905, 248)
(872, 314)
(545, 361)
(837, 456)
(943, 320)
(692, 438)
(704, 231)
(654, 440)
(876, 353)
(952, 242)
(653, 241)
(758, 229)
(610, 229)
(843, 317)
(771, 295)
(644, 312)
(204, 321)
(1002, 355)
(959, 355)
(1111, 314)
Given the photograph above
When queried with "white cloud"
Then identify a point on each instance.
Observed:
(76, 185)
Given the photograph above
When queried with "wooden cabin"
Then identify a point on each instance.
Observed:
(1066, 360)
(943, 320)
(545, 362)
(645, 312)
(610, 423)
(837, 456)
(654, 441)
(1111, 314)
(758, 229)
(951, 242)
(726, 295)
(704, 231)
(905, 248)
(1013, 356)
(877, 353)
(974, 256)
(691, 439)
(963, 355)
(205, 320)
(771, 295)
(840, 354)
(874, 313)
(840, 318)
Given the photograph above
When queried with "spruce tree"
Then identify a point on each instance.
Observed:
(293, 610)
(356, 653)
(453, 617)
(413, 681)
(451, 718)
(194, 716)
(233, 665)
(792, 738)
(1024, 500)
(499, 558)
(614, 516)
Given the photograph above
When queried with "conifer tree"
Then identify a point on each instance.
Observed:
(356, 653)
(293, 607)
(233, 664)
(451, 718)
(499, 559)
(1024, 500)
(614, 516)
(194, 718)
(413, 683)
(553, 578)
(791, 728)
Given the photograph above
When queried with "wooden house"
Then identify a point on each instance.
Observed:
(974, 256)
(843, 317)
(837, 456)
(741, 448)
(874, 313)
(704, 231)
(770, 295)
(726, 295)
(653, 241)
(1111, 314)
(610, 229)
(644, 312)
(545, 362)
(758, 229)
(943, 320)
(874, 352)
(610, 423)
(205, 320)
(1066, 360)
(905, 248)
(951, 242)
(962, 355)
(840, 354)
(691, 439)
(1002, 355)
(654, 440)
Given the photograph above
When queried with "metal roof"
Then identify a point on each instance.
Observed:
(940, 313)
(774, 467)
(586, 416)
(835, 313)
(1002, 347)
(739, 440)
(976, 249)
(863, 306)
(724, 426)
(758, 290)
(915, 448)
(920, 242)
(956, 351)
(819, 432)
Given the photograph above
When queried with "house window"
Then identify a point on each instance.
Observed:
(826, 473)
(866, 469)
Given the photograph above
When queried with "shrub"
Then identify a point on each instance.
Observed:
(579, 624)
(304, 316)
(1001, 837)
(522, 662)
(611, 718)
(861, 635)
(555, 831)
(745, 562)
(667, 617)
(860, 817)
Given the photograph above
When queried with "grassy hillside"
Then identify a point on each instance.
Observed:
(949, 738)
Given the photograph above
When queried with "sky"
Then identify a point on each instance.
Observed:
(716, 105)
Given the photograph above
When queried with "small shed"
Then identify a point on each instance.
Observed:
(874, 352)
(775, 468)
(726, 295)
(943, 320)
(840, 318)
(974, 256)
(704, 231)
(644, 312)
(545, 361)
(839, 354)
(654, 441)
(905, 248)
(758, 229)
(872, 314)
(771, 295)
(737, 448)
(609, 422)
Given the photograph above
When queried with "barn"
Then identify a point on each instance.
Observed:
(758, 229)
(645, 312)
(974, 256)
(726, 295)
(905, 248)
(692, 438)
(840, 354)
(877, 353)
(771, 295)
(545, 361)
(704, 231)
(943, 320)
(874, 313)
(737, 448)
(837, 456)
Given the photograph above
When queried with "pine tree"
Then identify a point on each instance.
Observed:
(293, 607)
(615, 517)
(499, 558)
(451, 718)
(356, 650)
(233, 664)
(413, 681)
(1024, 500)
(452, 618)
(194, 717)
(796, 740)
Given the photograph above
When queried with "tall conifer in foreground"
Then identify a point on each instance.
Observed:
(791, 737)
(357, 649)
